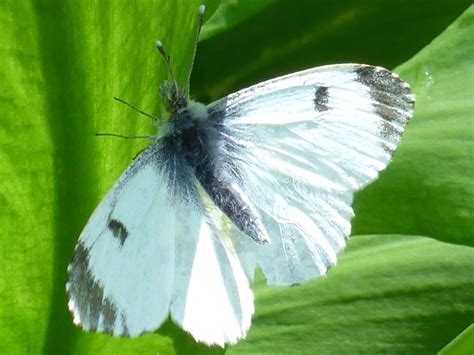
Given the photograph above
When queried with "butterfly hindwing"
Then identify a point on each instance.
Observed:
(212, 298)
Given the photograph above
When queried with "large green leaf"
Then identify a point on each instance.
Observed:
(62, 63)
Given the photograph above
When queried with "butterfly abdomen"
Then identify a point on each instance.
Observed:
(229, 197)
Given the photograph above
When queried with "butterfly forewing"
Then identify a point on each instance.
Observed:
(300, 145)
(146, 254)
(116, 253)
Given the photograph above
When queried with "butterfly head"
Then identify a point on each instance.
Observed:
(173, 98)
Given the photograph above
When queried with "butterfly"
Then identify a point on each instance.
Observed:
(262, 177)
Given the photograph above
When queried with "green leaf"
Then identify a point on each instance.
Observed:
(62, 63)
(388, 294)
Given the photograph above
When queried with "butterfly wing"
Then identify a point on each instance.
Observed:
(211, 297)
(299, 146)
(146, 253)
(121, 275)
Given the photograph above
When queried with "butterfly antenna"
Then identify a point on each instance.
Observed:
(166, 57)
(200, 22)
(153, 118)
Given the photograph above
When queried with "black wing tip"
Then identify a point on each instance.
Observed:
(392, 100)
(379, 78)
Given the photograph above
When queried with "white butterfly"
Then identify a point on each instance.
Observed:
(264, 176)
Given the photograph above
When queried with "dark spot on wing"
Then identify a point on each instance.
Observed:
(321, 99)
(89, 304)
(392, 100)
(118, 230)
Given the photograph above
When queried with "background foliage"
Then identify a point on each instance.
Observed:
(405, 288)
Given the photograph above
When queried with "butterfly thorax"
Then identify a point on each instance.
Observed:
(189, 136)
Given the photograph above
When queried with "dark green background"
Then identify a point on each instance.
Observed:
(404, 287)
